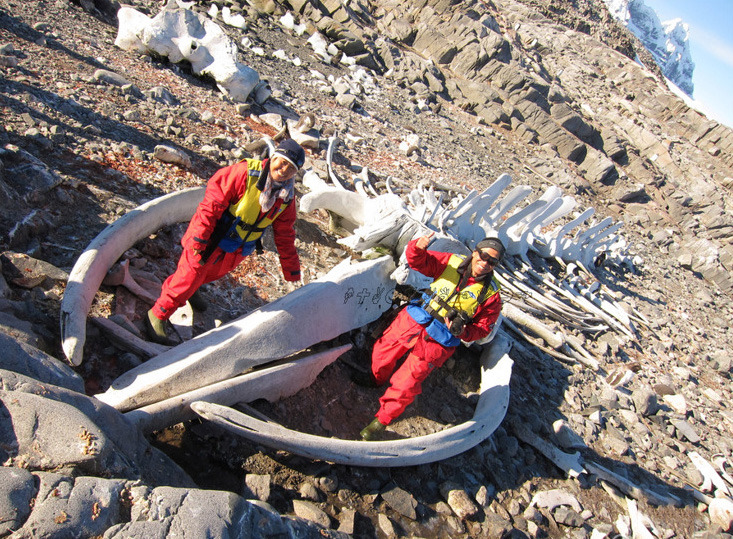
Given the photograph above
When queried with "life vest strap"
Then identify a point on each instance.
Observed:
(251, 227)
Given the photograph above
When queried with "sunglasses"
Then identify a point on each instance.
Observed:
(486, 257)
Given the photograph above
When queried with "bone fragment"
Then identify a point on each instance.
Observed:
(639, 522)
(590, 307)
(182, 322)
(629, 488)
(721, 461)
(582, 354)
(710, 476)
(550, 499)
(721, 512)
(569, 463)
(127, 339)
(120, 275)
(537, 342)
(539, 298)
(332, 143)
(555, 340)
(271, 383)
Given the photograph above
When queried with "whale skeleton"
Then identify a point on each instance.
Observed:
(157, 393)
(265, 354)
(164, 390)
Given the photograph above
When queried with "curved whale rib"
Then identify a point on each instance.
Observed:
(496, 367)
(93, 264)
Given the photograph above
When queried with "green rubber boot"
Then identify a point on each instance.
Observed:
(155, 328)
(372, 431)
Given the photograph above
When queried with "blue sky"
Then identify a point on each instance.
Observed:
(711, 48)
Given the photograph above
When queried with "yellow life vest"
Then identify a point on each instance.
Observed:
(247, 208)
(467, 299)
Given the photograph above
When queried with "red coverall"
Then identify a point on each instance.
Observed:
(226, 186)
(425, 354)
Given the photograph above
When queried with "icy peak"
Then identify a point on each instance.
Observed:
(668, 42)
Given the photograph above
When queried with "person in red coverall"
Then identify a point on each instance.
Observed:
(463, 304)
(240, 202)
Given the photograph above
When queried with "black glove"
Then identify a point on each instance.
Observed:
(458, 323)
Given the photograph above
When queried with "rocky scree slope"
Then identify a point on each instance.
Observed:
(478, 89)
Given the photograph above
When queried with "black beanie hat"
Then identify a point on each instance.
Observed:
(291, 151)
(492, 243)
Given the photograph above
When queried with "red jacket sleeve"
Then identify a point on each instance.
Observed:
(429, 263)
(484, 320)
(225, 187)
(283, 229)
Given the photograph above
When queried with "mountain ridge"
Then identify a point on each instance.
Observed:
(668, 41)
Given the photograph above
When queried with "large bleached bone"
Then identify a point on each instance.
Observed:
(494, 215)
(525, 233)
(585, 245)
(386, 232)
(350, 296)
(182, 34)
(510, 231)
(463, 220)
(270, 383)
(591, 248)
(93, 264)
(496, 368)
(347, 204)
